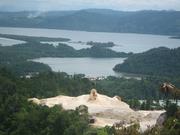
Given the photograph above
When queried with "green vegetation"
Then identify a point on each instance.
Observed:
(101, 52)
(170, 126)
(108, 44)
(52, 84)
(49, 84)
(34, 39)
(159, 61)
(130, 88)
(34, 49)
(20, 117)
(163, 22)
(26, 67)
(148, 104)
(16, 57)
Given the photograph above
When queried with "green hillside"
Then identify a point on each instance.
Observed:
(149, 22)
(159, 61)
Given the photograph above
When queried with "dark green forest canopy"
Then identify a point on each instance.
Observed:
(159, 61)
(16, 57)
(163, 22)
(20, 117)
(146, 88)
(108, 44)
(34, 49)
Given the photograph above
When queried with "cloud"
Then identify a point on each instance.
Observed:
(44, 5)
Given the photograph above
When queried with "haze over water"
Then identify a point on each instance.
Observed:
(93, 67)
(126, 42)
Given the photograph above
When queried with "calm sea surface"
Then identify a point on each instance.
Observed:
(9, 42)
(126, 42)
(91, 67)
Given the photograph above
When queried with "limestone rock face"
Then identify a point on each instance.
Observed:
(94, 101)
(106, 110)
(93, 95)
(118, 97)
(34, 100)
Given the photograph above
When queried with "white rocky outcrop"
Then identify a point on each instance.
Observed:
(106, 110)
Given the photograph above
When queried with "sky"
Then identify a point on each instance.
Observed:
(125, 5)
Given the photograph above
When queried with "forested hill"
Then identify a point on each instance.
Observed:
(149, 22)
(159, 61)
(16, 58)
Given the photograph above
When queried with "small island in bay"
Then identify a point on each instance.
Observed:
(34, 38)
(108, 44)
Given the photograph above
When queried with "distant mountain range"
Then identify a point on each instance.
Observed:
(99, 20)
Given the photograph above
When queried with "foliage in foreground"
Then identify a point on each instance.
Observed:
(20, 117)
(146, 88)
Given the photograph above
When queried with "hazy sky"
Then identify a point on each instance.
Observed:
(44, 5)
